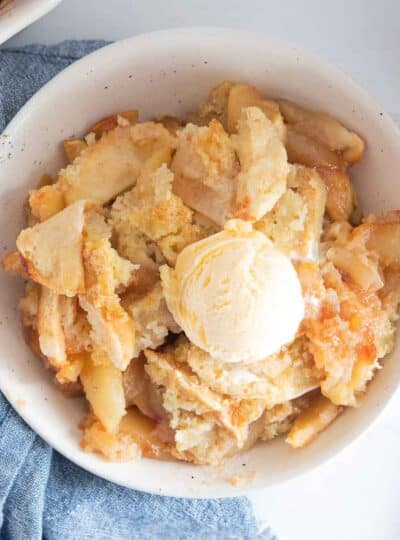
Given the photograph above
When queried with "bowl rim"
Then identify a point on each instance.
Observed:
(165, 35)
(19, 16)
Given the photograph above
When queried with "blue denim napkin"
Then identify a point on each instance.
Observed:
(43, 495)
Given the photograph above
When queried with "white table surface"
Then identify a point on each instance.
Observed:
(356, 496)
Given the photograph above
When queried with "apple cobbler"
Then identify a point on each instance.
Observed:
(209, 282)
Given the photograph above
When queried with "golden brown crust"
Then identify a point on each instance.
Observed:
(153, 214)
(112, 330)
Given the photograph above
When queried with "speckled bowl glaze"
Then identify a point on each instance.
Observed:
(171, 71)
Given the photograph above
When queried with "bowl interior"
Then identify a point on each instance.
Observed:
(170, 72)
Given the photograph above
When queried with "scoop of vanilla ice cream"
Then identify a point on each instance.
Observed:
(234, 294)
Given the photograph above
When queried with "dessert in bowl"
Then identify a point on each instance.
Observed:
(207, 279)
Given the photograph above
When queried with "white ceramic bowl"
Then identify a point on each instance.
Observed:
(171, 71)
(21, 13)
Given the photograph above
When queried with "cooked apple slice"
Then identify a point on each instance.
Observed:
(137, 435)
(144, 432)
(357, 266)
(50, 330)
(306, 151)
(242, 96)
(102, 170)
(112, 164)
(75, 325)
(105, 393)
(340, 201)
(264, 166)
(113, 331)
(205, 170)
(52, 251)
(385, 241)
(151, 317)
(141, 392)
(324, 129)
(112, 121)
(171, 123)
(214, 107)
(312, 421)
